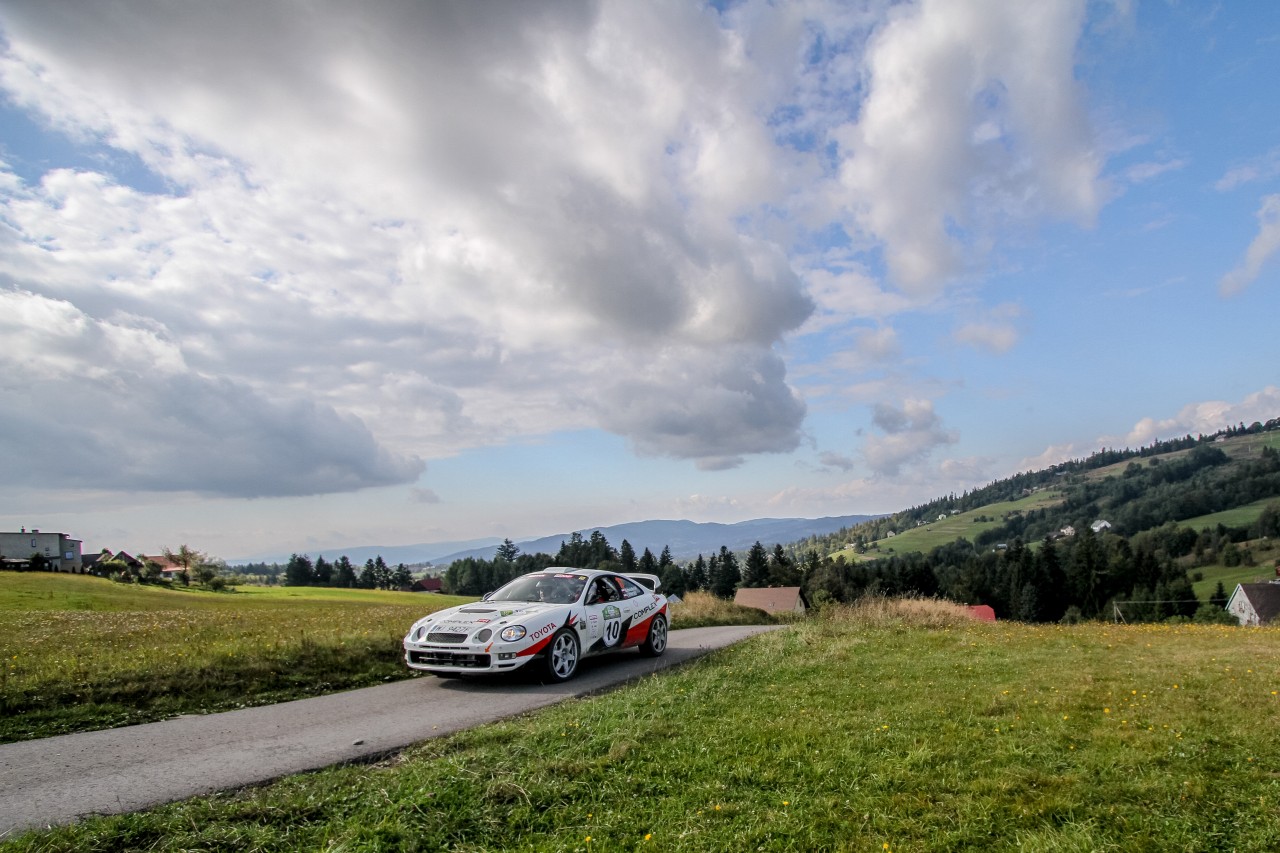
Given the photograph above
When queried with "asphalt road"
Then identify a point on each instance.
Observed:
(61, 779)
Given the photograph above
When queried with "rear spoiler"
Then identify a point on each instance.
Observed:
(653, 582)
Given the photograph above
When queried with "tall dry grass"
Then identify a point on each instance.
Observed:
(876, 611)
(700, 609)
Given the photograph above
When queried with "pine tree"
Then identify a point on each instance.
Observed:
(344, 574)
(627, 557)
(401, 577)
(323, 572)
(755, 571)
(696, 576)
(673, 580)
(381, 573)
(299, 572)
(724, 576)
(782, 569)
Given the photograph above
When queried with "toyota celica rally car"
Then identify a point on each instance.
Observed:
(555, 617)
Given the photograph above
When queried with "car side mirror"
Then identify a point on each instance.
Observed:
(485, 597)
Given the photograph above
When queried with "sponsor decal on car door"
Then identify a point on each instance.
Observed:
(612, 617)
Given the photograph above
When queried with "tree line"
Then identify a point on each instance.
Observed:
(721, 573)
(1086, 576)
(341, 573)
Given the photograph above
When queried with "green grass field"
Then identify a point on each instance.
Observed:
(1241, 516)
(80, 653)
(879, 729)
(962, 525)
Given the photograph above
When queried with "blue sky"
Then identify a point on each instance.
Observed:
(298, 276)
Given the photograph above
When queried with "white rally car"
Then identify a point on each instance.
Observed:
(556, 617)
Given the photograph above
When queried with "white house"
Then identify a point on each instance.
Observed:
(1255, 604)
(1100, 525)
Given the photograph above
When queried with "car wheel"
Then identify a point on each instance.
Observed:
(562, 656)
(656, 643)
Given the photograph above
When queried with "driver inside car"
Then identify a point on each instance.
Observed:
(602, 592)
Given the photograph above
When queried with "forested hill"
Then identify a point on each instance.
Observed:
(1132, 490)
(1115, 535)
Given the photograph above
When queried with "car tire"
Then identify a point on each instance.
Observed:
(656, 643)
(563, 654)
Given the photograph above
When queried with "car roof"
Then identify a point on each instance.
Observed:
(651, 582)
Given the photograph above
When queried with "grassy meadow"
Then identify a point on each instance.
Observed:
(891, 726)
(1241, 516)
(80, 653)
(961, 525)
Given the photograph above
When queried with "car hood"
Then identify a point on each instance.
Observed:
(472, 617)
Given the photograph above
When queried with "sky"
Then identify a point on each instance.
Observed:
(310, 274)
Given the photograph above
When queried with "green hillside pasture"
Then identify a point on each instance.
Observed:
(837, 735)
(1240, 447)
(1241, 516)
(1229, 576)
(964, 525)
(79, 652)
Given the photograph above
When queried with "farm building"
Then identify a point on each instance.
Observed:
(774, 599)
(983, 612)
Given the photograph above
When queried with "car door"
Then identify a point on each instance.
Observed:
(633, 599)
(604, 613)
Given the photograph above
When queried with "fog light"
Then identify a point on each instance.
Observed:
(506, 655)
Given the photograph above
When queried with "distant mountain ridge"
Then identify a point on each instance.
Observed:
(686, 539)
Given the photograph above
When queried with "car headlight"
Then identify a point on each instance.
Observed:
(484, 635)
(512, 633)
(421, 631)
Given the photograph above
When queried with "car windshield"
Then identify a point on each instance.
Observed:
(553, 588)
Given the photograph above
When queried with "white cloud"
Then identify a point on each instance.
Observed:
(911, 433)
(708, 405)
(1143, 172)
(831, 459)
(1265, 245)
(1052, 455)
(996, 332)
(841, 296)
(1260, 169)
(444, 225)
(1202, 418)
(97, 405)
(698, 504)
(972, 116)
(1205, 418)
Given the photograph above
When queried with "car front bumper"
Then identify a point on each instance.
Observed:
(434, 657)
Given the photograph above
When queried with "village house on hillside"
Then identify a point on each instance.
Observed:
(1255, 604)
(774, 599)
(60, 551)
(168, 568)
